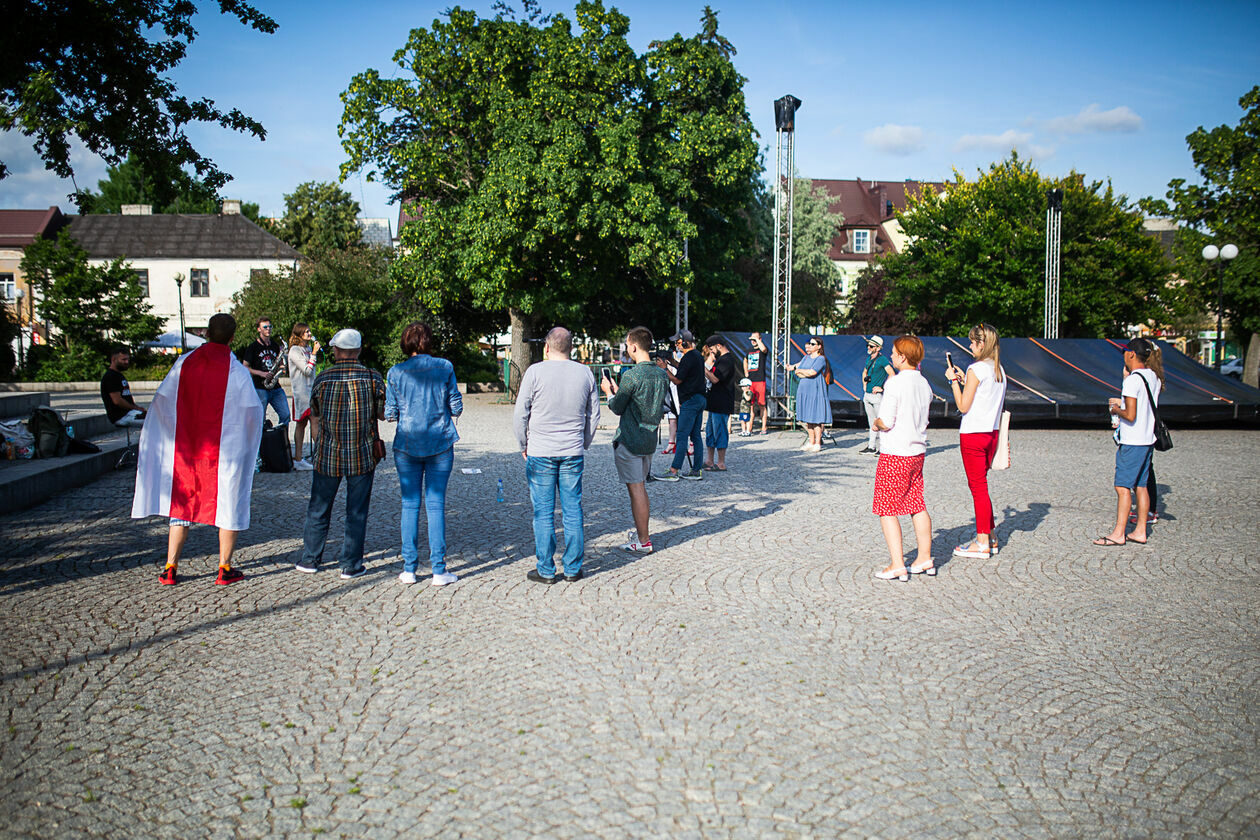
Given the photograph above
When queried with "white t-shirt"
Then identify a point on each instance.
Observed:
(905, 411)
(1141, 432)
(986, 408)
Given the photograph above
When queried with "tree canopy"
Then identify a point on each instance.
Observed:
(977, 253)
(1223, 209)
(559, 178)
(88, 307)
(98, 71)
(166, 189)
(816, 282)
(319, 217)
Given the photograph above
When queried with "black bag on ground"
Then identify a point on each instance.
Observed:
(83, 447)
(274, 450)
(51, 438)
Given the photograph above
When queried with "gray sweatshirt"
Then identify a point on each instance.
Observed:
(557, 409)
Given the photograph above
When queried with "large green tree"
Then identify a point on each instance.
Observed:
(165, 189)
(977, 253)
(319, 216)
(98, 71)
(87, 307)
(1224, 209)
(559, 178)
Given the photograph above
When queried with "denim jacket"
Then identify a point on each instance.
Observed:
(422, 396)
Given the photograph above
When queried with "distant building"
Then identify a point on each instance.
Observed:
(215, 255)
(376, 232)
(870, 226)
(18, 229)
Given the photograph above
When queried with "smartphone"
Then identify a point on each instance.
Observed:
(606, 373)
(949, 359)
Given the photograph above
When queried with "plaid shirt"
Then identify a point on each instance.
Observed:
(344, 398)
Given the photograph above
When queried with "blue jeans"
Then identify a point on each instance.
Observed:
(717, 433)
(424, 478)
(319, 511)
(690, 424)
(546, 476)
(277, 400)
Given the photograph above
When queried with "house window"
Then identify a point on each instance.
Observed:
(199, 282)
(8, 288)
(861, 241)
(142, 277)
(258, 274)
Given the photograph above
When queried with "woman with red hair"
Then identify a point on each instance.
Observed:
(903, 418)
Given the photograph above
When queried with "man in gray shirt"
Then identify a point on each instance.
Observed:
(557, 412)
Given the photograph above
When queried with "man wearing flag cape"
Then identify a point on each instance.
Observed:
(198, 448)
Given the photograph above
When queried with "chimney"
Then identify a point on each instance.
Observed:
(231, 207)
(137, 209)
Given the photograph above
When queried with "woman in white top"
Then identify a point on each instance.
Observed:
(302, 351)
(1135, 407)
(903, 418)
(980, 399)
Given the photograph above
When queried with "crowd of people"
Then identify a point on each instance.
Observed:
(203, 429)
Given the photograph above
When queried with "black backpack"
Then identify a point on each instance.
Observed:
(274, 449)
(51, 438)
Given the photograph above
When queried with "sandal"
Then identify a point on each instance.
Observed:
(973, 551)
(930, 571)
(1107, 541)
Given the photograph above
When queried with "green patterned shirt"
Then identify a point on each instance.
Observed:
(640, 401)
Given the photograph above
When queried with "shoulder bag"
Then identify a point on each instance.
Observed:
(378, 445)
(1163, 439)
(1002, 457)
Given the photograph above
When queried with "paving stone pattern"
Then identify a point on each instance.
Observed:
(748, 680)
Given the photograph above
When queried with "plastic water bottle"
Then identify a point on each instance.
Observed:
(500, 496)
(69, 431)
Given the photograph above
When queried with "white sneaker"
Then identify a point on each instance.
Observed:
(303, 465)
(636, 546)
(407, 577)
(444, 578)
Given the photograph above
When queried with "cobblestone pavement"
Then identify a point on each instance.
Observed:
(750, 679)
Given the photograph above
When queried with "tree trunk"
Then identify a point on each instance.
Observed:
(1251, 361)
(522, 348)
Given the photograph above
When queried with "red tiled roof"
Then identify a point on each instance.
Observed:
(19, 228)
(867, 205)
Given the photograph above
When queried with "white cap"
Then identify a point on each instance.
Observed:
(347, 340)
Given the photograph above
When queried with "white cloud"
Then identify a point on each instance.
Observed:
(29, 186)
(1007, 140)
(1093, 119)
(895, 139)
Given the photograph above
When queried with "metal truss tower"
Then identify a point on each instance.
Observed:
(784, 188)
(1054, 229)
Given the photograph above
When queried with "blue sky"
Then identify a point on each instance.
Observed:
(911, 90)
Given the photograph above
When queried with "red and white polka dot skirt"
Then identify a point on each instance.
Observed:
(898, 486)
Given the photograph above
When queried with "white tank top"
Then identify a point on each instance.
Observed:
(986, 408)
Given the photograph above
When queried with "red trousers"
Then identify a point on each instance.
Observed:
(977, 450)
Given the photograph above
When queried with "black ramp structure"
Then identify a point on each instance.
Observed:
(1048, 379)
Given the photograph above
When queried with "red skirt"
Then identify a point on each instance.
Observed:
(898, 486)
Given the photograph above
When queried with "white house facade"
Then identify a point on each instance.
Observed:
(201, 260)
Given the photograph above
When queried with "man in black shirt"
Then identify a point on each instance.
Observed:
(690, 380)
(259, 358)
(720, 402)
(116, 391)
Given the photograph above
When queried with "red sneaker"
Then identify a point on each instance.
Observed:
(167, 578)
(227, 576)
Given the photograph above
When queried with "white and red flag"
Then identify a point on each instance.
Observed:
(200, 442)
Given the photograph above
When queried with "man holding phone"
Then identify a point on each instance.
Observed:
(755, 370)
(639, 401)
(690, 380)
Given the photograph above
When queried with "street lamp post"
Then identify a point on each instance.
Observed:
(1210, 253)
(18, 294)
(179, 290)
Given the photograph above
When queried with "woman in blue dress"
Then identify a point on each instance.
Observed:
(813, 408)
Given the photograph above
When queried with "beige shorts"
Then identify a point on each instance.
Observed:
(631, 468)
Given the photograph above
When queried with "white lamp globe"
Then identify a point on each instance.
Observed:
(1229, 252)
(1211, 252)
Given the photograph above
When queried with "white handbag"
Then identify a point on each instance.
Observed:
(1002, 458)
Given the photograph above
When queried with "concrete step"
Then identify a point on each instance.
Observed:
(25, 483)
(20, 404)
(90, 425)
